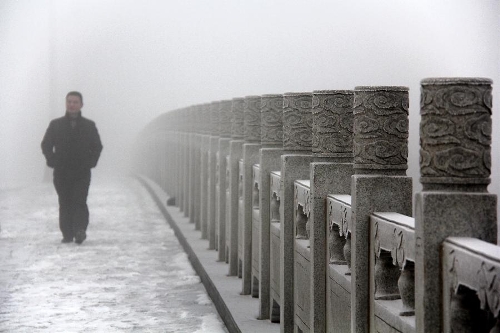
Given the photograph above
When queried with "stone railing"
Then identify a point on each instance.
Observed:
(471, 287)
(305, 197)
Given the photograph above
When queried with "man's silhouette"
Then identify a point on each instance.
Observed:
(72, 147)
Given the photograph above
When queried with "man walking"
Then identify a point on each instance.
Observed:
(72, 147)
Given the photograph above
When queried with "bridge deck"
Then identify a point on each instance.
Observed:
(239, 312)
(130, 274)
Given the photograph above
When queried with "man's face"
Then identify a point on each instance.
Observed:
(73, 105)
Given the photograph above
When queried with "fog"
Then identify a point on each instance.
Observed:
(134, 60)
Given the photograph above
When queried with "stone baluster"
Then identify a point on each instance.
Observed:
(455, 166)
(331, 122)
(204, 162)
(221, 192)
(295, 163)
(379, 184)
(251, 135)
(196, 156)
(212, 172)
(271, 137)
(235, 154)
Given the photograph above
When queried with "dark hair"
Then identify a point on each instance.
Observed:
(75, 93)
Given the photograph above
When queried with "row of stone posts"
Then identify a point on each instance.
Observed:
(305, 196)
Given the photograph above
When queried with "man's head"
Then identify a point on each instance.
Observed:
(74, 103)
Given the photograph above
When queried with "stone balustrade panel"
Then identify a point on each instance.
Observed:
(471, 285)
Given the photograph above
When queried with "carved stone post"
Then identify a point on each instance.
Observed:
(185, 156)
(297, 143)
(222, 157)
(198, 123)
(332, 129)
(235, 154)
(191, 128)
(204, 153)
(271, 112)
(455, 162)
(212, 174)
(250, 157)
(379, 184)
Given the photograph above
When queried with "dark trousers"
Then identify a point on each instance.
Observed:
(72, 190)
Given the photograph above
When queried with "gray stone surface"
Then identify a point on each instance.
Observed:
(293, 167)
(380, 161)
(223, 153)
(235, 154)
(237, 119)
(381, 130)
(297, 121)
(269, 160)
(370, 194)
(332, 133)
(275, 253)
(250, 157)
(332, 126)
(455, 133)
(439, 215)
(470, 273)
(225, 119)
(271, 113)
(393, 242)
(271, 143)
(325, 178)
(197, 180)
(251, 119)
(212, 177)
(455, 170)
(204, 163)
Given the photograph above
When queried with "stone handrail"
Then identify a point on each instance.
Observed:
(305, 197)
(471, 285)
(393, 274)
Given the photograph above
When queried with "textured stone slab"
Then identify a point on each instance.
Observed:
(439, 215)
(212, 179)
(256, 229)
(204, 153)
(223, 152)
(269, 159)
(293, 167)
(455, 132)
(250, 157)
(470, 266)
(394, 234)
(235, 154)
(369, 194)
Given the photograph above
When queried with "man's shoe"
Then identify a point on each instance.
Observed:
(67, 240)
(80, 237)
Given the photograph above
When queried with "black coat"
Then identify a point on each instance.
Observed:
(71, 150)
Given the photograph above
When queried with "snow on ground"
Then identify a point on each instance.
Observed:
(130, 275)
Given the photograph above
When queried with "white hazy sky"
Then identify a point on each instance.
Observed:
(134, 60)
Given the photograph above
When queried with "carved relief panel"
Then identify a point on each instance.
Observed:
(455, 131)
(297, 121)
(214, 118)
(271, 120)
(225, 116)
(237, 118)
(332, 126)
(251, 119)
(381, 128)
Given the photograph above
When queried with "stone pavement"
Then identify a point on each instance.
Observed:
(130, 275)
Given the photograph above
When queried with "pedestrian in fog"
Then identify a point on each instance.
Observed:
(72, 147)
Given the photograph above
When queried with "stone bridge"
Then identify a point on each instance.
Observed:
(304, 211)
